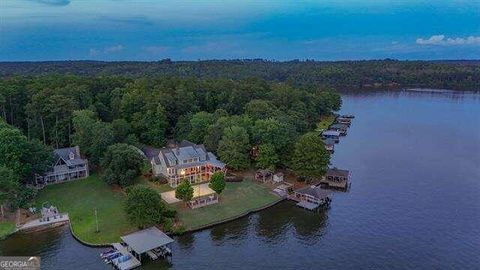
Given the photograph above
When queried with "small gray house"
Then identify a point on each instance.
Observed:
(68, 165)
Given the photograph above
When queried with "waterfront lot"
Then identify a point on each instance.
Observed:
(80, 198)
(237, 199)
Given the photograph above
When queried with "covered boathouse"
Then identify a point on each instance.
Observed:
(311, 197)
(331, 134)
(336, 178)
(150, 242)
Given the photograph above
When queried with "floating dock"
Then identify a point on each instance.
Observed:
(127, 265)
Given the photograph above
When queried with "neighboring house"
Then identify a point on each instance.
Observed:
(68, 165)
(186, 161)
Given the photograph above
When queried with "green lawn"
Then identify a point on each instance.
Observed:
(157, 187)
(237, 198)
(325, 122)
(6, 228)
(80, 198)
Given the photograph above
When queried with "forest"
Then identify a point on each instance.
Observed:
(341, 75)
(104, 115)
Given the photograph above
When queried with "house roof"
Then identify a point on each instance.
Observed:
(145, 240)
(64, 153)
(150, 152)
(331, 133)
(314, 191)
(185, 151)
(338, 172)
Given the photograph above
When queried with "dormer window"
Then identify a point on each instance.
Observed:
(71, 155)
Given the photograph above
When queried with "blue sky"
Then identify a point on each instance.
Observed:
(32, 30)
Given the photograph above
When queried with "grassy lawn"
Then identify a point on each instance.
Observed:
(80, 198)
(157, 187)
(236, 199)
(325, 122)
(6, 228)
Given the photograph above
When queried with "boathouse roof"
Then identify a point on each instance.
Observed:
(338, 172)
(314, 191)
(331, 133)
(329, 141)
(339, 126)
(145, 240)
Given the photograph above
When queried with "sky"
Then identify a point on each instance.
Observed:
(149, 30)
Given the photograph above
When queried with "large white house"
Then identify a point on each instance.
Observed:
(186, 161)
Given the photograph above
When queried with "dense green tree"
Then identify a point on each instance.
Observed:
(24, 157)
(215, 132)
(144, 207)
(332, 100)
(50, 112)
(182, 127)
(234, 147)
(122, 164)
(267, 157)
(217, 182)
(184, 191)
(151, 125)
(92, 135)
(9, 187)
(199, 124)
(260, 109)
(310, 158)
(280, 135)
(121, 130)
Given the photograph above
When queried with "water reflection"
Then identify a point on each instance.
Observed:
(230, 231)
(274, 223)
(186, 241)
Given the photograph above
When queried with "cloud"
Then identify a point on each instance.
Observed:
(442, 40)
(113, 49)
(106, 50)
(93, 52)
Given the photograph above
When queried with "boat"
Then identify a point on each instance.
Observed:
(110, 258)
(348, 116)
(107, 253)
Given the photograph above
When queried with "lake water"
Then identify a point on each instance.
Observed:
(414, 202)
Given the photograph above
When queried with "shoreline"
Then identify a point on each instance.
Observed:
(192, 230)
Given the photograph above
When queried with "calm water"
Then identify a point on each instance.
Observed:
(414, 202)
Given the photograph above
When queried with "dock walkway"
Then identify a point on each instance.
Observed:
(50, 222)
(127, 265)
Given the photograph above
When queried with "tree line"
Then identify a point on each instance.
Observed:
(96, 112)
(341, 75)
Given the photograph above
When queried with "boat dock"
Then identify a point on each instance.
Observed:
(125, 265)
(149, 243)
(45, 223)
(311, 197)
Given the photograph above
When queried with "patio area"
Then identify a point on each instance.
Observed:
(200, 190)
